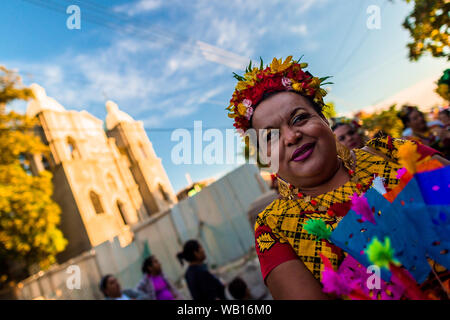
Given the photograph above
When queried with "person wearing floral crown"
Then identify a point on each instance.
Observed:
(316, 174)
(349, 132)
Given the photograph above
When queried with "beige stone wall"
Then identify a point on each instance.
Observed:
(146, 167)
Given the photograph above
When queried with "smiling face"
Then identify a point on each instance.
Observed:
(306, 146)
(348, 136)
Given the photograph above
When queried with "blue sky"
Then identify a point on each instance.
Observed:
(170, 62)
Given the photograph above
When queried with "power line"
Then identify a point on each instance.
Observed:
(347, 34)
(112, 21)
(359, 45)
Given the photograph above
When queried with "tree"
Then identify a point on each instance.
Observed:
(429, 27)
(443, 86)
(29, 217)
(386, 121)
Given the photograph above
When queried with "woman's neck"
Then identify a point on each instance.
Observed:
(339, 178)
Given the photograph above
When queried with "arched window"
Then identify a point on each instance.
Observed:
(96, 203)
(121, 211)
(111, 182)
(45, 163)
(163, 193)
(73, 151)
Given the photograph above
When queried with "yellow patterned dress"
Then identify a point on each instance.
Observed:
(279, 231)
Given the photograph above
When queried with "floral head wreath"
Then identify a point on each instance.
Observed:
(278, 76)
(343, 120)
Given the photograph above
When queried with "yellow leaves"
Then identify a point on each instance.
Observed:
(265, 242)
(408, 156)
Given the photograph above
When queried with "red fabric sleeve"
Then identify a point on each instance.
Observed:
(425, 151)
(271, 252)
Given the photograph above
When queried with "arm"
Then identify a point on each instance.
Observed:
(212, 287)
(291, 280)
(284, 273)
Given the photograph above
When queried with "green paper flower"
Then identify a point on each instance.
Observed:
(318, 228)
(381, 254)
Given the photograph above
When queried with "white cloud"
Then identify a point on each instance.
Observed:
(215, 54)
(138, 7)
(300, 29)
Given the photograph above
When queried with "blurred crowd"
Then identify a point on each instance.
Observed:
(431, 129)
(154, 285)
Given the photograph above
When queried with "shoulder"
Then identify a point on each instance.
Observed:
(270, 215)
(388, 147)
(270, 250)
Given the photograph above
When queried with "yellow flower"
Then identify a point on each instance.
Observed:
(297, 86)
(315, 82)
(241, 85)
(278, 66)
(251, 76)
(241, 109)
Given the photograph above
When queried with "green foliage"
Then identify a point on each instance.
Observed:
(443, 86)
(429, 27)
(386, 121)
(29, 217)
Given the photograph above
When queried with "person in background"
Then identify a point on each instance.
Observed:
(348, 133)
(239, 289)
(417, 129)
(154, 283)
(111, 289)
(201, 283)
(444, 117)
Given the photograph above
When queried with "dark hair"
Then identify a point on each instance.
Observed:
(445, 111)
(147, 263)
(188, 253)
(237, 288)
(339, 124)
(268, 94)
(103, 283)
(406, 112)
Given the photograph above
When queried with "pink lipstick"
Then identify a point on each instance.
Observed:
(303, 152)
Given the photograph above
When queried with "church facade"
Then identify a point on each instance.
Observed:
(105, 179)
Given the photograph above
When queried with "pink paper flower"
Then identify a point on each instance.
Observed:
(400, 173)
(361, 207)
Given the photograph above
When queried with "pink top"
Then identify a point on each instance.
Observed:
(161, 288)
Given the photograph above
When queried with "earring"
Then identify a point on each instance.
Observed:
(345, 155)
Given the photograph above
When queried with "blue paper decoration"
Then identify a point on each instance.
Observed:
(417, 222)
